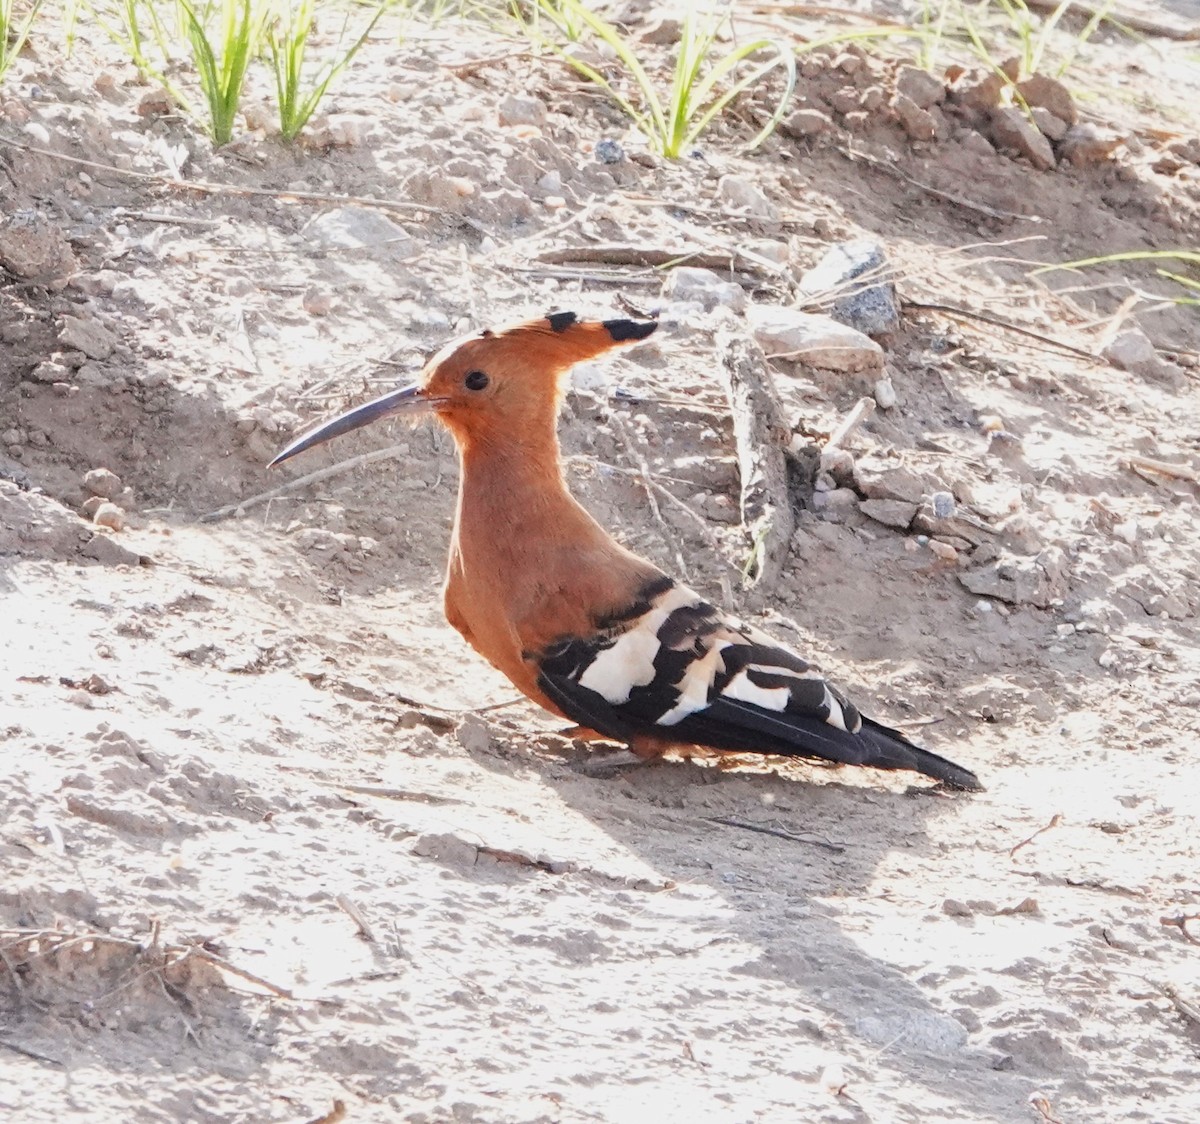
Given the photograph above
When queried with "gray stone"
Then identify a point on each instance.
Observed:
(34, 249)
(891, 513)
(926, 1031)
(856, 274)
(1054, 128)
(102, 482)
(519, 109)
(806, 123)
(704, 287)
(888, 482)
(1089, 144)
(446, 848)
(1012, 129)
(818, 341)
(107, 551)
(739, 193)
(916, 121)
(1020, 581)
(1131, 350)
(88, 336)
(1049, 94)
(919, 86)
(352, 228)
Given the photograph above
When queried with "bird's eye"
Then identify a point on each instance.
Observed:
(475, 380)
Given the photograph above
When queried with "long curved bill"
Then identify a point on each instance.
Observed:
(409, 400)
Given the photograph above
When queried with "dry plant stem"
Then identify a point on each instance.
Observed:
(858, 414)
(929, 189)
(645, 256)
(1188, 1010)
(1055, 821)
(206, 188)
(291, 486)
(352, 911)
(1163, 468)
(761, 438)
(779, 833)
(1180, 922)
(384, 793)
(998, 322)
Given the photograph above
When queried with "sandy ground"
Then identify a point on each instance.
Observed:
(273, 840)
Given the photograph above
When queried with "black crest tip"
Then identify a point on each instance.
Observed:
(561, 321)
(623, 330)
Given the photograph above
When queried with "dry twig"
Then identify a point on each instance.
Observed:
(1180, 922)
(1163, 468)
(1055, 821)
(779, 833)
(862, 410)
(352, 911)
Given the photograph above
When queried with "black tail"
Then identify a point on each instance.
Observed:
(890, 749)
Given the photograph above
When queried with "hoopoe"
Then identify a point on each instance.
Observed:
(578, 623)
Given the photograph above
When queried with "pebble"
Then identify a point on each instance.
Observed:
(818, 341)
(317, 302)
(1089, 144)
(943, 550)
(885, 394)
(705, 287)
(520, 109)
(102, 482)
(806, 123)
(352, 228)
(743, 195)
(919, 86)
(1055, 128)
(943, 504)
(891, 513)
(1010, 128)
(918, 123)
(871, 308)
(609, 151)
(109, 515)
(35, 249)
(1131, 350)
(1043, 92)
(37, 132)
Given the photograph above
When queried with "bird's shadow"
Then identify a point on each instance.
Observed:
(801, 867)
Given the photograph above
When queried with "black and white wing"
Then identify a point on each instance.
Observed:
(674, 667)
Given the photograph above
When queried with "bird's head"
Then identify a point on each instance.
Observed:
(499, 384)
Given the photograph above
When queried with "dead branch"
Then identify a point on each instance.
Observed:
(648, 257)
(862, 410)
(1180, 922)
(1055, 821)
(761, 438)
(779, 833)
(300, 481)
(998, 322)
(1163, 468)
(352, 911)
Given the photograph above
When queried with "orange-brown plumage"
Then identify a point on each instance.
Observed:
(578, 623)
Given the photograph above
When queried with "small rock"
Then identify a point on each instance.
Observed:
(446, 848)
(954, 908)
(704, 287)
(890, 482)
(106, 550)
(665, 31)
(1089, 144)
(885, 394)
(91, 505)
(1054, 128)
(918, 123)
(976, 142)
(109, 515)
(868, 305)
(845, 100)
(1012, 129)
(1131, 350)
(102, 482)
(919, 86)
(155, 103)
(979, 90)
(806, 123)
(943, 504)
(34, 249)
(818, 341)
(51, 371)
(519, 109)
(608, 151)
(1017, 580)
(739, 193)
(943, 550)
(1050, 94)
(317, 302)
(352, 228)
(473, 734)
(891, 513)
(835, 501)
